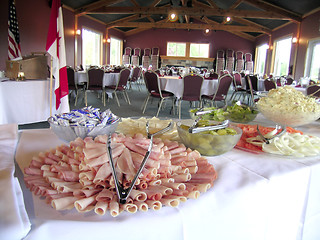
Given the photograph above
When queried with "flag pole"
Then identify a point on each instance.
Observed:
(51, 86)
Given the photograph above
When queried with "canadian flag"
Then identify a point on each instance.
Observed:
(56, 48)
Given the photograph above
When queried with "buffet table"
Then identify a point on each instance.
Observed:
(256, 196)
(174, 84)
(25, 101)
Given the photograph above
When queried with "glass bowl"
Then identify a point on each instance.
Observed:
(289, 107)
(287, 118)
(70, 133)
(241, 113)
(206, 143)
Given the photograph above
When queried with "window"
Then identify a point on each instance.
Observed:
(282, 50)
(199, 50)
(261, 56)
(176, 49)
(312, 68)
(115, 51)
(91, 47)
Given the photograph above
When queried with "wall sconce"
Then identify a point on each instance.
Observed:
(294, 40)
(108, 40)
(78, 32)
(207, 30)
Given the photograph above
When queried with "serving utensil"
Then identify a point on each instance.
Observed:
(122, 192)
(195, 129)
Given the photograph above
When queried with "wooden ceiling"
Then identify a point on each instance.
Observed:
(249, 18)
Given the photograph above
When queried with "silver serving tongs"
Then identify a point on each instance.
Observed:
(123, 193)
(194, 129)
(267, 140)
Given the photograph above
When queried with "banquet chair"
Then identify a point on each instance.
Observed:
(237, 85)
(191, 90)
(154, 90)
(252, 88)
(221, 92)
(135, 77)
(121, 85)
(313, 90)
(289, 80)
(269, 84)
(95, 83)
(72, 85)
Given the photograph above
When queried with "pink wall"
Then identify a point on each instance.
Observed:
(309, 29)
(160, 37)
(33, 24)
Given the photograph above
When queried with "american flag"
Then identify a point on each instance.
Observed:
(14, 50)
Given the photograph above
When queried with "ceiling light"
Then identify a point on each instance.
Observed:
(173, 17)
(207, 30)
(228, 19)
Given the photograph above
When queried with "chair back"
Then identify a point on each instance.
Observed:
(223, 86)
(152, 82)
(253, 81)
(95, 79)
(147, 52)
(127, 51)
(239, 55)
(137, 52)
(269, 84)
(155, 51)
(230, 53)
(214, 75)
(71, 82)
(220, 54)
(192, 87)
(289, 80)
(313, 90)
(123, 77)
(237, 79)
(248, 57)
(135, 74)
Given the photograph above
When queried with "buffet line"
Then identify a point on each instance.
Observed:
(241, 168)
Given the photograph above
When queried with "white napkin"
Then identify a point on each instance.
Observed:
(14, 222)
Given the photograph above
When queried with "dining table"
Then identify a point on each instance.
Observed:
(109, 78)
(256, 196)
(174, 84)
(26, 101)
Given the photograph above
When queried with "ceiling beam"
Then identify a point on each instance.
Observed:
(190, 26)
(271, 8)
(135, 3)
(212, 4)
(155, 3)
(236, 4)
(95, 5)
(197, 11)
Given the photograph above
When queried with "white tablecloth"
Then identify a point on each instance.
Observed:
(14, 221)
(175, 85)
(256, 196)
(25, 101)
(108, 78)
